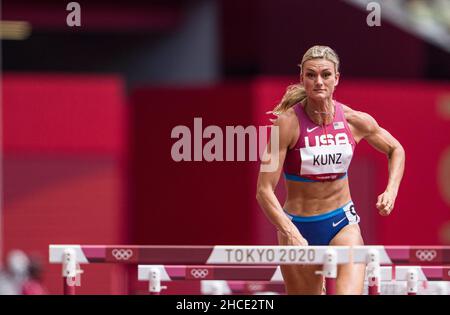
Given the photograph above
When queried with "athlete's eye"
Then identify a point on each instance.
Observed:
(326, 74)
(310, 75)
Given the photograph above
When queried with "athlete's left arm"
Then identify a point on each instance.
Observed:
(379, 138)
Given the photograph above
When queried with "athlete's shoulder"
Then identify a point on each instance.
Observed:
(286, 118)
(288, 125)
(360, 120)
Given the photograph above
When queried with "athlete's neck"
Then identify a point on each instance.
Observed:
(321, 113)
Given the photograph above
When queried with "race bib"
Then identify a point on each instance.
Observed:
(326, 159)
(350, 213)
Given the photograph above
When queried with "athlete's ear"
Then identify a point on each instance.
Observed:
(337, 79)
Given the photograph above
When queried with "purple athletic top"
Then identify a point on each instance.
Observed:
(322, 153)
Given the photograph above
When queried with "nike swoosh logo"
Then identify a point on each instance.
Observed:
(309, 130)
(337, 223)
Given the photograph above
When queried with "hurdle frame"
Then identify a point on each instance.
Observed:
(327, 256)
(272, 274)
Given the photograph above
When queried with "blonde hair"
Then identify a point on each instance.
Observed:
(296, 93)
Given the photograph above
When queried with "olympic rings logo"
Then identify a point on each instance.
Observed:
(426, 255)
(122, 254)
(199, 273)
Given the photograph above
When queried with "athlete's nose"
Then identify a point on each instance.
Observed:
(319, 80)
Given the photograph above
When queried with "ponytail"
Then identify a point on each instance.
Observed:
(294, 94)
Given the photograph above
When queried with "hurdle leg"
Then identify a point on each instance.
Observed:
(373, 272)
(412, 281)
(68, 289)
(330, 271)
(69, 271)
(155, 282)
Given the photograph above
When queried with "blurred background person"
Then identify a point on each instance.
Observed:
(15, 273)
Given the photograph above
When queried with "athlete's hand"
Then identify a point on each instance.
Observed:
(291, 236)
(385, 203)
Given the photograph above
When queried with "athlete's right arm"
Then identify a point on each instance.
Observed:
(268, 180)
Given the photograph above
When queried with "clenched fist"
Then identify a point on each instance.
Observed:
(385, 203)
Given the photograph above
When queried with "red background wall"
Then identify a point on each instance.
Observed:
(194, 202)
(64, 169)
(68, 179)
(214, 202)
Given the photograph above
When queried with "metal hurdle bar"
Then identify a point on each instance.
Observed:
(155, 274)
(328, 256)
(375, 256)
(71, 255)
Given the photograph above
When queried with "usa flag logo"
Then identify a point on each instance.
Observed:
(338, 125)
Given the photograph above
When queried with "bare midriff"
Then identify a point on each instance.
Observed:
(314, 198)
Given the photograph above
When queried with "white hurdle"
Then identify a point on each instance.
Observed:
(385, 276)
(327, 256)
(373, 275)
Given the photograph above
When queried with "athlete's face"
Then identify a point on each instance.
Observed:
(319, 79)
